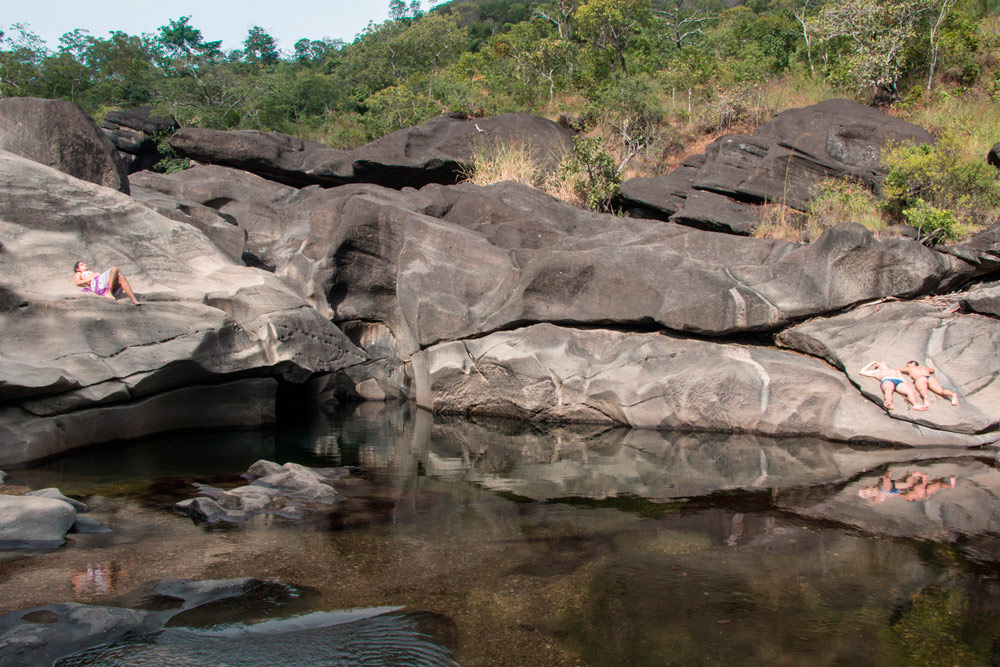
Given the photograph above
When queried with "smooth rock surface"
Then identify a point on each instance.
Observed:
(28, 522)
(982, 250)
(961, 348)
(56, 494)
(61, 135)
(110, 370)
(550, 373)
(435, 152)
(247, 203)
(445, 263)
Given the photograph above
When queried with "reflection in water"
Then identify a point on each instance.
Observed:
(561, 546)
(96, 579)
(913, 487)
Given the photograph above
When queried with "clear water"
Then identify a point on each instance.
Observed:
(505, 544)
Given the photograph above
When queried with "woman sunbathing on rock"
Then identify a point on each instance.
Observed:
(109, 284)
(890, 381)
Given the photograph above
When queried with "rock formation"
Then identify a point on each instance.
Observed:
(781, 162)
(134, 133)
(436, 152)
(206, 347)
(61, 135)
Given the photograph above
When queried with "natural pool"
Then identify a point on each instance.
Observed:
(499, 543)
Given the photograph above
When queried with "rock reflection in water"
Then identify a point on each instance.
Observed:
(366, 637)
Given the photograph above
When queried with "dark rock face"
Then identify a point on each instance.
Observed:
(446, 263)
(209, 330)
(134, 131)
(551, 373)
(61, 135)
(982, 250)
(984, 299)
(781, 162)
(962, 349)
(432, 153)
(993, 157)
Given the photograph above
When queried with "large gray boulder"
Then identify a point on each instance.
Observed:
(134, 132)
(60, 134)
(550, 373)
(77, 369)
(984, 299)
(982, 250)
(781, 162)
(436, 152)
(34, 522)
(962, 349)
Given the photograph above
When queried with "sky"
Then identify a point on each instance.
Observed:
(287, 21)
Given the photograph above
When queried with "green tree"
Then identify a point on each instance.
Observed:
(260, 48)
(612, 25)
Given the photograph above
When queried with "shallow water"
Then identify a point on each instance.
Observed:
(503, 543)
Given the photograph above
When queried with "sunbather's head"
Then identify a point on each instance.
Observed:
(80, 266)
(912, 363)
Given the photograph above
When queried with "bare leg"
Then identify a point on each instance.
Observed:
(128, 290)
(886, 388)
(920, 384)
(936, 387)
(112, 283)
(911, 397)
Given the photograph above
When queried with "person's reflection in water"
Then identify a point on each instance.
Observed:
(915, 486)
(95, 580)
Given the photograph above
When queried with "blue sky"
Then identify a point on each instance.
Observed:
(286, 21)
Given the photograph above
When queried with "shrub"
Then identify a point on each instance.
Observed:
(937, 186)
(591, 173)
(839, 200)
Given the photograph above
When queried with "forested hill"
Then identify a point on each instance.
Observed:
(586, 57)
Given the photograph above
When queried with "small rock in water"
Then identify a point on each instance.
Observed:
(291, 491)
(86, 524)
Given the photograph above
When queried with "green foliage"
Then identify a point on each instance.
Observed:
(591, 173)
(170, 163)
(937, 189)
(394, 108)
(839, 200)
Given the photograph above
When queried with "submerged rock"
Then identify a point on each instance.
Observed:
(290, 491)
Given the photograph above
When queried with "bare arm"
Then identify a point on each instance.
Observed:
(79, 280)
(869, 370)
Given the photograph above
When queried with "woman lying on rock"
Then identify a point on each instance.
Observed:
(109, 284)
(889, 382)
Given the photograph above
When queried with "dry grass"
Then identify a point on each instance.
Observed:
(836, 202)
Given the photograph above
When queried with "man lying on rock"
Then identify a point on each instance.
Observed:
(922, 380)
(915, 486)
(889, 382)
(109, 284)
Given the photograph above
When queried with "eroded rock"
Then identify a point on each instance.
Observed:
(108, 370)
(33, 522)
(61, 135)
(550, 373)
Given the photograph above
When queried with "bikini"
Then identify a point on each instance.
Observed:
(894, 380)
